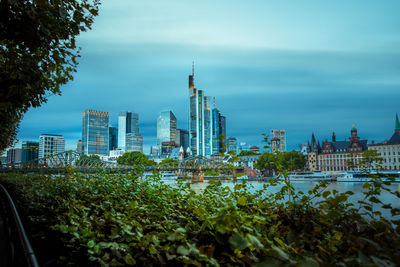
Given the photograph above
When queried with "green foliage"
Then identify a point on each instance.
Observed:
(211, 173)
(134, 158)
(108, 219)
(272, 162)
(169, 162)
(91, 160)
(38, 54)
(247, 153)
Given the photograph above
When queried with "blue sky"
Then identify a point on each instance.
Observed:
(304, 66)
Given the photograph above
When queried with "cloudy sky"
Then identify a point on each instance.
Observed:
(304, 66)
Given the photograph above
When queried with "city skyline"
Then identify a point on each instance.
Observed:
(275, 65)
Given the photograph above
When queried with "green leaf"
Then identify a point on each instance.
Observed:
(238, 241)
(129, 259)
(242, 200)
(64, 229)
(308, 262)
(254, 241)
(183, 251)
(91, 243)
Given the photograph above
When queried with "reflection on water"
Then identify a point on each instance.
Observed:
(305, 186)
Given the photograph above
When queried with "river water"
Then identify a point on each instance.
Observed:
(304, 186)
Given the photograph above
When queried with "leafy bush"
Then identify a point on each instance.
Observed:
(110, 219)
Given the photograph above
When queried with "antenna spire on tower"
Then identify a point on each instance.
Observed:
(192, 68)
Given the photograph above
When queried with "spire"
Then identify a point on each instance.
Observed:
(193, 68)
(397, 124)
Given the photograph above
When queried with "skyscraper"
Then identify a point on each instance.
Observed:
(200, 120)
(218, 132)
(166, 127)
(112, 138)
(50, 145)
(95, 132)
(129, 138)
(182, 139)
(30, 151)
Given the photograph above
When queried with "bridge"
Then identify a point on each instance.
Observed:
(58, 163)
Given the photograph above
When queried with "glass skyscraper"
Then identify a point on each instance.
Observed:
(200, 120)
(30, 151)
(95, 133)
(166, 127)
(112, 138)
(218, 132)
(129, 138)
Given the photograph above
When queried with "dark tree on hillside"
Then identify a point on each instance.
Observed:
(38, 54)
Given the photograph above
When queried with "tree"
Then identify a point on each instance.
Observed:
(169, 162)
(89, 160)
(133, 158)
(268, 163)
(38, 54)
(247, 153)
(293, 160)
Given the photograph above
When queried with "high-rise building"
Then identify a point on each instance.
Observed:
(14, 155)
(133, 142)
(50, 145)
(30, 151)
(112, 138)
(200, 120)
(166, 127)
(182, 139)
(278, 140)
(128, 123)
(218, 131)
(231, 144)
(95, 132)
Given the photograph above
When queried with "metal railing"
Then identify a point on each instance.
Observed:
(15, 248)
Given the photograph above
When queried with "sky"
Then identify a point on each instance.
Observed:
(303, 66)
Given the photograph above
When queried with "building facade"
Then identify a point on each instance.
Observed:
(166, 127)
(182, 138)
(50, 145)
(278, 140)
(14, 155)
(30, 151)
(231, 144)
(342, 155)
(112, 138)
(389, 150)
(129, 138)
(95, 133)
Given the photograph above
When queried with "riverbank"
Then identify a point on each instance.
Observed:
(116, 219)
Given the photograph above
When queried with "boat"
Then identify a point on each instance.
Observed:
(310, 176)
(365, 177)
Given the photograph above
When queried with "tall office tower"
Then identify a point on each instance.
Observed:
(51, 144)
(182, 139)
(278, 140)
(166, 127)
(14, 155)
(112, 138)
(128, 123)
(231, 144)
(30, 151)
(218, 132)
(200, 121)
(95, 132)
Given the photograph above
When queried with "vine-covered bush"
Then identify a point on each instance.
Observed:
(115, 220)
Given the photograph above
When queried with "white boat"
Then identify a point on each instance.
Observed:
(310, 176)
(363, 177)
